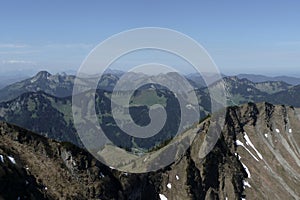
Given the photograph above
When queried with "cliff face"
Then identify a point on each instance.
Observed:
(258, 153)
(256, 157)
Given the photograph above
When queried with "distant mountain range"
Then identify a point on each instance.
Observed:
(43, 103)
(261, 78)
(240, 91)
(255, 78)
(59, 85)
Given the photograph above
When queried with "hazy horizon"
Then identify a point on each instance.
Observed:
(32, 72)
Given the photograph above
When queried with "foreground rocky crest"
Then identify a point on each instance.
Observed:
(256, 157)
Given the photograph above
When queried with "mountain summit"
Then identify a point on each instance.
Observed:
(41, 76)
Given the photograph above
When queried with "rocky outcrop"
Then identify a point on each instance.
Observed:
(256, 157)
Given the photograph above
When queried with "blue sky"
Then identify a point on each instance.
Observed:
(261, 37)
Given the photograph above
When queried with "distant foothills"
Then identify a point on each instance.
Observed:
(16, 76)
(25, 102)
(258, 87)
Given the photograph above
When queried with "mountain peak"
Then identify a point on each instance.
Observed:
(42, 75)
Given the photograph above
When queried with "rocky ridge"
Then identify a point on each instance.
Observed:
(256, 157)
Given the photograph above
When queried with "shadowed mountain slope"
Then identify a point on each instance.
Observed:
(257, 156)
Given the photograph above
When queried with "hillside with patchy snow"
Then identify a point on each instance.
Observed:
(256, 157)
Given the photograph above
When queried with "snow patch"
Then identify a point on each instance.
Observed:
(169, 185)
(237, 155)
(73, 162)
(246, 184)
(177, 177)
(239, 143)
(11, 159)
(1, 158)
(266, 135)
(101, 175)
(189, 106)
(247, 170)
(277, 130)
(290, 130)
(162, 197)
(248, 142)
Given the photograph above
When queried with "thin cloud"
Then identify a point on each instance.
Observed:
(17, 62)
(13, 46)
(75, 45)
(17, 52)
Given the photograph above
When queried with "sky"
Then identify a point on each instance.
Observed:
(260, 37)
